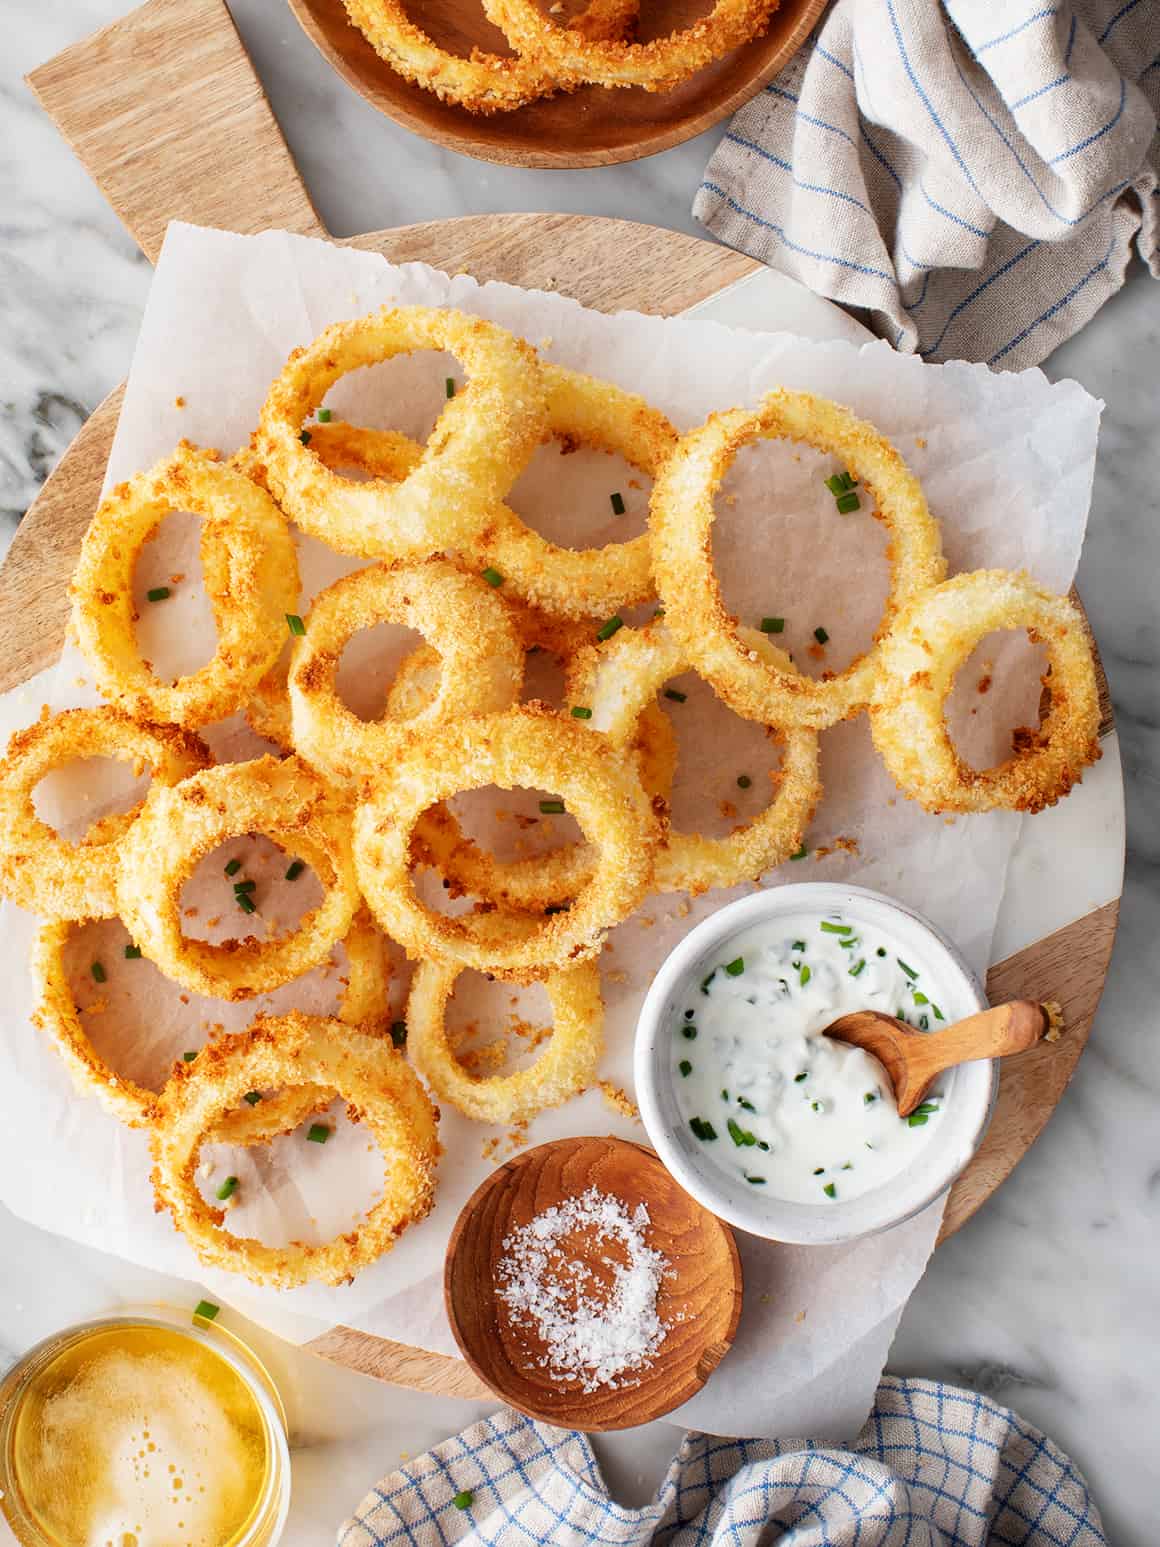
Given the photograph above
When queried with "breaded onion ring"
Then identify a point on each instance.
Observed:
(621, 678)
(251, 579)
(681, 518)
(363, 1002)
(927, 645)
(483, 439)
(42, 871)
(366, 1071)
(565, 1067)
(481, 82)
(530, 746)
(657, 66)
(177, 827)
(460, 615)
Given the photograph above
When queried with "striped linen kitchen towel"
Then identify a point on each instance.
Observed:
(933, 1467)
(972, 174)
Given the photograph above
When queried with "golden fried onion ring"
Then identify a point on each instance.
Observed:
(251, 578)
(481, 82)
(177, 827)
(483, 439)
(619, 679)
(657, 66)
(366, 1071)
(529, 746)
(681, 518)
(363, 1002)
(460, 615)
(565, 1067)
(42, 871)
(930, 641)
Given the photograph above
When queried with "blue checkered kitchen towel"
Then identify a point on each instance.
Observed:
(933, 1467)
(972, 174)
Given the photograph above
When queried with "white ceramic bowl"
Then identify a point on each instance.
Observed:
(970, 1089)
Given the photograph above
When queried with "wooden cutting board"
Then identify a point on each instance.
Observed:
(166, 113)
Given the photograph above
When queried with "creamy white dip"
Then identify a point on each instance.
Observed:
(773, 1102)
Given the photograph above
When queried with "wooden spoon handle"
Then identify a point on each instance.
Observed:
(1007, 1028)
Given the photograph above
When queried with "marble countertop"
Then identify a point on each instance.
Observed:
(1046, 1300)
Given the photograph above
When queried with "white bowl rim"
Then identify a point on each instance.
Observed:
(947, 1153)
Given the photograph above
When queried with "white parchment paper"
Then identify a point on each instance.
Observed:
(1007, 463)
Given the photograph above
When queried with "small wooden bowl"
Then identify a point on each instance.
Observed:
(700, 1303)
(590, 127)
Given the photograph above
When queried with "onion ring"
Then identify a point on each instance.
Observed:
(362, 1002)
(482, 660)
(251, 578)
(482, 82)
(484, 437)
(565, 1068)
(366, 1071)
(621, 678)
(179, 826)
(40, 870)
(681, 518)
(657, 66)
(928, 644)
(530, 746)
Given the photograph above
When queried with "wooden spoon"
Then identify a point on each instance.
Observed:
(914, 1059)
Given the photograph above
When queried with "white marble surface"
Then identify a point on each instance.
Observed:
(1047, 1300)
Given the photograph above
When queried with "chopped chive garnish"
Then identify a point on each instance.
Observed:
(856, 969)
(848, 502)
(740, 1136)
(243, 886)
(819, 1170)
(799, 945)
(463, 1500)
(849, 1166)
(252, 1097)
(746, 1106)
(762, 1145)
(689, 1032)
(702, 1129)
(187, 1058)
(920, 997)
(804, 974)
(736, 967)
(821, 636)
(836, 929)
(132, 953)
(324, 416)
(815, 1106)
(724, 1095)
(399, 1033)
(830, 1190)
(938, 1015)
(689, 1014)
(849, 944)
(617, 504)
(98, 972)
(206, 1309)
(295, 624)
(706, 981)
(233, 867)
(870, 1098)
(882, 950)
(743, 781)
(295, 869)
(492, 576)
(159, 593)
(835, 484)
(304, 437)
(926, 1106)
(317, 1133)
(772, 625)
(755, 1181)
(923, 1023)
(449, 386)
(848, 482)
(552, 807)
(245, 902)
(910, 972)
(917, 1120)
(801, 853)
(606, 630)
(579, 712)
(685, 1067)
(676, 695)
(804, 1075)
(228, 1188)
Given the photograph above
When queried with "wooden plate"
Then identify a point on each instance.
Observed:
(156, 106)
(587, 128)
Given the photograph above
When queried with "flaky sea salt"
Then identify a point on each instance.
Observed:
(596, 1328)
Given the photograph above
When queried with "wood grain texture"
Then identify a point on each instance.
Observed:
(585, 128)
(699, 1299)
(166, 113)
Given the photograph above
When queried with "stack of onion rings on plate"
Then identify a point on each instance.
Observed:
(366, 806)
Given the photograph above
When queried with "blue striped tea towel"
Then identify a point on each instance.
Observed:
(933, 1467)
(971, 174)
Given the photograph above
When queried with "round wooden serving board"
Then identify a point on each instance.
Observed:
(165, 111)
